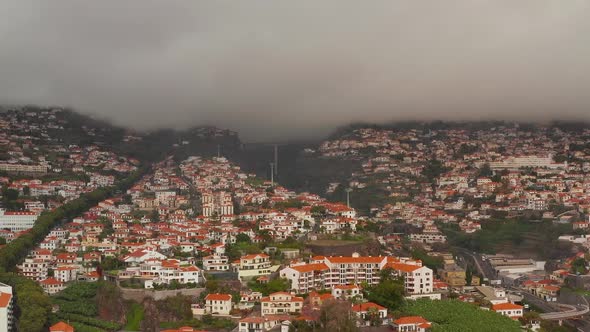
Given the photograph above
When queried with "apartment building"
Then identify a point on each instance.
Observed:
(17, 221)
(328, 272)
(33, 268)
(418, 280)
(281, 303)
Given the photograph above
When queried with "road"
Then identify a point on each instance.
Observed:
(551, 311)
(483, 268)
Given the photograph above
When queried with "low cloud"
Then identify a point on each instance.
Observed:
(294, 69)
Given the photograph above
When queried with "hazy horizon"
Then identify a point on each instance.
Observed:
(298, 70)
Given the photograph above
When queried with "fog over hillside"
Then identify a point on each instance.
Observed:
(293, 69)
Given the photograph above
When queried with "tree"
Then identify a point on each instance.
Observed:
(468, 275)
(337, 316)
(485, 170)
(241, 237)
(389, 292)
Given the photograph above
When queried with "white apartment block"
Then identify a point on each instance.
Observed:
(527, 161)
(17, 221)
(328, 272)
(35, 269)
(281, 303)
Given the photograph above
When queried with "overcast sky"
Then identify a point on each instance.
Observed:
(285, 69)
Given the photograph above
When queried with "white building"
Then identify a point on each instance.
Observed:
(215, 263)
(281, 303)
(35, 269)
(17, 221)
(254, 265)
(364, 310)
(328, 272)
(511, 310)
(218, 304)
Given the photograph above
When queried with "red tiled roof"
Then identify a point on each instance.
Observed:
(310, 267)
(61, 327)
(5, 299)
(366, 306)
(506, 306)
(411, 320)
(218, 297)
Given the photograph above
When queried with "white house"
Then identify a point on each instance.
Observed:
(220, 304)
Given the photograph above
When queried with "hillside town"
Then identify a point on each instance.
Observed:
(251, 255)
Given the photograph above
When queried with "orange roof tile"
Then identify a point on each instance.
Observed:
(218, 297)
(411, 320)
(5, 299)
(506, 306)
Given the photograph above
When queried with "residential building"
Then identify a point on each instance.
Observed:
(215, 263)
(511, 310)
(281, 303)
(17, 221)
(411, 324)
(364, 311)
(218, 304)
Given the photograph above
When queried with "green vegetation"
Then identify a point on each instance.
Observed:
(134, 317)
(457, 316)
(78, 305)
(431, 262)
(275, 285)
(32, 305)
(389, 292)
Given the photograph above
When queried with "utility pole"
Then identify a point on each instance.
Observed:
(218, 150)
(348, 190)
(276, 159)
(272, 178)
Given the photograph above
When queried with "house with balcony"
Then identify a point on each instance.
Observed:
(281, 303)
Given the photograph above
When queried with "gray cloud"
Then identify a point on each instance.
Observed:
(286, 69)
